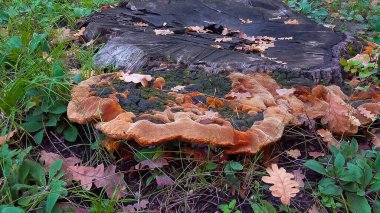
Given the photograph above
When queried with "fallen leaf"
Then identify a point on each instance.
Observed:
(7, 137)
(298, 176)
(164, 180)
(245, 21)
(366, 113)
(140, 24)
(294, 153)
(285, 91)
(363, 58)
(328, 138)
(314, 209)
(112, 182)
(197, 29)
(275, 18)
(285, 38)
(48, 158)
(177, 88)
(86, 174)
(80, 32)
(137, 207)
(376, 140)
(163, 32)
(224, 39)
(292, 21)
(152, 164)
(316, 155)
(217, 46)
(110, 144)
(136, 78)
(284, 185)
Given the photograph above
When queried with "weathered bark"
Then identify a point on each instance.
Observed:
(312, 56)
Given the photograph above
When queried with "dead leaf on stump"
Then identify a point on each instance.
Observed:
(136, 78)
(284, 185)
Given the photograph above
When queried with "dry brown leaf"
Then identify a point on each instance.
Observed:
(110, 144)
(217, 46)
(163, 32)
(376, 140)
(47, 158)
(7, 137)
(246, 21)
(316, 155)
(164, 180)
(224, 39)
(112, 182)
(298, 176)
(152, 164)
(375, 3)
(285, 38)
(340, 117)
(328, 138)
(197, 29)
(137, 207)
(86, 174)
(284, 185)
(45, 56)
(294, 153)
(366, 113)
(364, 58)
(80, 32)
(136, 78)
(292, 21)
(314, 209)
(140, 24)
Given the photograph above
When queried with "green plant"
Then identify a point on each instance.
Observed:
(365, 67)
(230, 170)
(349, 178)
(310, 8)
(229, 208)
(263, 207)
(25, 183)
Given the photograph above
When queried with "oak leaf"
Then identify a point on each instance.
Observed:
(285, 91)
(48, 158)
(112, 182)
(292, 21)
(328, 138)
(316, 155)
(298, 176)
(137, 207)
(284, 185)
(136, 78)
(238, 95)
(152, 164)
(368, 114)
(86, 174)
(223, 39)
(294, 153)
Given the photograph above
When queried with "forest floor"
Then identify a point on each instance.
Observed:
(49, 164)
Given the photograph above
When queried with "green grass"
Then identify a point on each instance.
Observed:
(34, 92)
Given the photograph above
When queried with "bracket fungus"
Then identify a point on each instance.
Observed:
(242, 123)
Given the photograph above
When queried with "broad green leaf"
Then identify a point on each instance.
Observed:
(315, 166)
(54, 168)
(32, 126)
(36, 41)
(327, 186)
(11, 209)
(357, 204)
(224, 208)
(353, 173)
(232, 204)
(58, 108)
(39, 136)
(70, 133)
(235, 165)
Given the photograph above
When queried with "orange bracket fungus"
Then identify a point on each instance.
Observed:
(243, 117)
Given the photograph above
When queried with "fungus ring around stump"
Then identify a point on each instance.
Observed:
(243, 118)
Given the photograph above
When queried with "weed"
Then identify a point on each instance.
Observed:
(351, 180)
